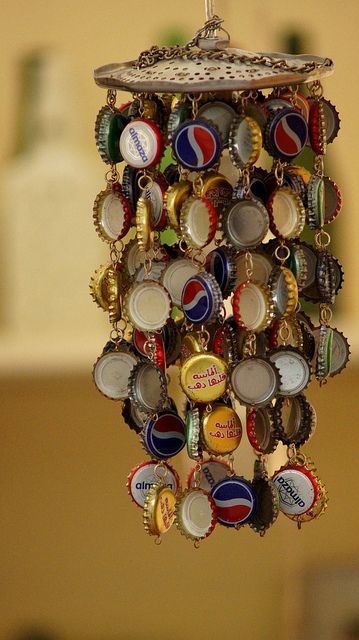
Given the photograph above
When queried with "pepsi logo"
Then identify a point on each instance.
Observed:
(197, 300)
(196, 145)
(235, 501)
(165, 436)
(289, 134)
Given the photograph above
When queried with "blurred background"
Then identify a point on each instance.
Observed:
(75, 561)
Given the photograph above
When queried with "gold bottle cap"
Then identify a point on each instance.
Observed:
(286, 331)
(221, 430)
(245, 141)
(319, 508)
(217, 190)
(144, 231)
(105, 288)
(158, 511)
(191, 343)
(204, 377)
(174, 199)
(195, 514)
(302, 172)
(111, 214)
(284, 291)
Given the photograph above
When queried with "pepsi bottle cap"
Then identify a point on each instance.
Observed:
(235, 501)
(164, 435)
(196, 145)
(201, 299)
(286, 134)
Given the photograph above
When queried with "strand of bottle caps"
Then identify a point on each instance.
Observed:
(218, 296)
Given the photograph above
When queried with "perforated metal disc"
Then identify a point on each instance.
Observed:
(203, 72)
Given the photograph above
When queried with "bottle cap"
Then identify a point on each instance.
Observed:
(316, 203)
(292, 420)
(260, 429)
(201, 298)
(333, 200)
(111, 373)
(221, 263)
(134, 418)
(141, 144)
(211, 472)
(286, 213)
(196, 145)
(245, 141)
(147, 305)
(221, 115)
(109, 126)
(147, 387)
(284, 291)
(179, 114)
(217, 190)
(246, 223)
(174, 198)
(235, 501)
(255, 381)
(154, 193)
(164, 435)
(144, 230)
(158, 510)
(221, 430)
(141, 341)
(331, 119)
(293, 368)
(285, 134)
(142, 477)
(252, 306)
(130, 186)
(175, 276)
(105, 289)
(194, 449)
(191, 343)
(204, 377)
(112, 214)
(198, 222)
(195, 514)
(267, 500)
(297, 487)
(317, 129)
(340, 352)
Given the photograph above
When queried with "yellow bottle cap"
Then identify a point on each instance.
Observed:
(158, 511)
(204, 377)
(221, 430)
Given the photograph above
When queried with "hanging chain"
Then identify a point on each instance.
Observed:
(155, 53)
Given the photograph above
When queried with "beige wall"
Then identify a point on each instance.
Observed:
(73, 555)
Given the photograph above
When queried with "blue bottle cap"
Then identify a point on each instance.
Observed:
(201, 298)
(235, 501)
(196, 145)
(164, 435)
(286, 134)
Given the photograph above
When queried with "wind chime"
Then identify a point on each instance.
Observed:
(207, 265)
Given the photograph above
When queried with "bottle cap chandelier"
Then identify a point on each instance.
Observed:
(208, 270)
